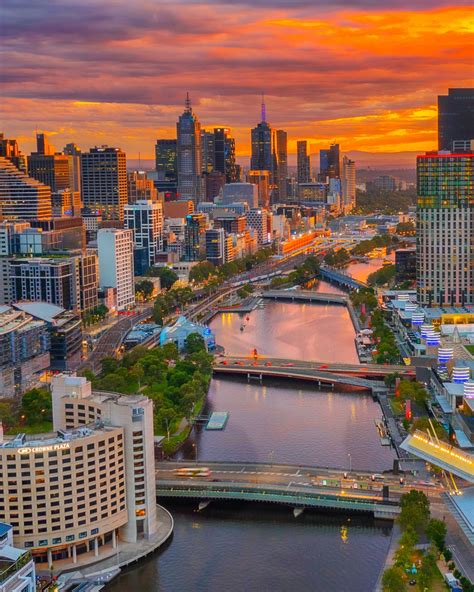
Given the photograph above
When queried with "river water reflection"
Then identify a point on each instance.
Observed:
(263, 548)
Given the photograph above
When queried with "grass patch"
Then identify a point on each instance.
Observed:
(396, 405)
(37, 428)
(470, 349)
(171, 445)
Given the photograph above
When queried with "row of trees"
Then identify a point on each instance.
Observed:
(95, 316)
(170, 302)
(386, 202)
(206, 271)
(415, 521)
(339, 258)
(387, 351)
(381, 240)
(167, 276)
(383, 276)
(300, 275)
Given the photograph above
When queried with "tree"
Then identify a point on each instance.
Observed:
(382, 276)
(36, 406)
(145, 288)
(448, 555)
(436, 533)
(7, 414)
(415, 510)
(427, 571)
(393, 581)
(194, 343)
(167, 276)
(411, 389)
(404, 552)
(201, 272)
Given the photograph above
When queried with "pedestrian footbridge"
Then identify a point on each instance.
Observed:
(441, 454)
(338, 277)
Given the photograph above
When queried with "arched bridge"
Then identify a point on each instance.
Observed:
(294, 486)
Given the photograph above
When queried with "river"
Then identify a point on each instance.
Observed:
(236, 547)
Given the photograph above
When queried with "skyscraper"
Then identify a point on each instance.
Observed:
(281, 162)
(43, 146)
(303, 162)
(224, 154)
(189, 155)
(262, 180)
(455, 117)
(208, 151)
(348, 182)
(104, 181)
(9, 149)
(262, 150)
(445, 229)
(21, 197)
(166, 161)
(330, 163)
(140, 187)
(51, 169)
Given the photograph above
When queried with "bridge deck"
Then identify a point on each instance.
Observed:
(443, 455)
(306, 296)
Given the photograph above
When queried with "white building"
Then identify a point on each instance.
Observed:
(116, 268)
(17, 569)
(93, 483)
(237, 192)
(348, 184)
(261, 221)
(145, 218)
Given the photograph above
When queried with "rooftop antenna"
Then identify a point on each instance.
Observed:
(187, 103)
(264, 113)
(139, 162)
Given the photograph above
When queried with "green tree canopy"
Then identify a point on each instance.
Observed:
(415, 510)
(436, 532)
(167, 276)
(393, 580)
(145, 288)
(194, 343)
(36, 406)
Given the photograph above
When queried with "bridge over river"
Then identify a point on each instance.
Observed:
(296, 486)
(366, 376)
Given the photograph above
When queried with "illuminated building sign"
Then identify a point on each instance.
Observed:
(27, 449)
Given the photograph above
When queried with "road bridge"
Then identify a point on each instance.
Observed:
(299, 487)
(305, 296)
(341, 278)
(361, 370)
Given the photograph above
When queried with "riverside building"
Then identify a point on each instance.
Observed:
(87, 487)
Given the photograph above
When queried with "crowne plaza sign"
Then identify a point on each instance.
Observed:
(27, 449)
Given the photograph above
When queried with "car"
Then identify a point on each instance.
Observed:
(268, 363)
(224, 363)
(288, 365)
(412, 582)
(323, 366)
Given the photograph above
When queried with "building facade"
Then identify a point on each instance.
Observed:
(166, 163)
(303, 162)
(189, 155)
(17, 568)
(348, 183)
(145, 219)
(140, 187)
(445, 229)
(216, 246)
(104, 181)
(194, 229)
(87, 487)
(21, 197)
(455, 117)
(116, 267)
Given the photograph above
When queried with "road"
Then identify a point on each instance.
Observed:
(112, 338)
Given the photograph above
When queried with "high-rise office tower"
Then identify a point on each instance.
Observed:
(303, 162)
(215, 245)
(281, 161)
(208, 151)
(43, 146)
(115, 248)
(224, 154)
(140, 187)
(262, 149)
(189, 155)
(445, 229)
(21, 197)
(74, 153)
(348, 182)
(195, 227)
(455, 117)
(166, 160)
(145, 218)
(51, 169)
(330, 163)
(260, 220)
(72, 149)
(104, 181)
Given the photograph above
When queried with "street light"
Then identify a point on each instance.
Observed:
(350, 462)
(195, 446)
(270, 457)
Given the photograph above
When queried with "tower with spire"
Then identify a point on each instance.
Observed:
(189, 154)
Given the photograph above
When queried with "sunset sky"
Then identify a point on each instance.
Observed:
(116, 71)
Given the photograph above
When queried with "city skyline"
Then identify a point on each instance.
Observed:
(125, 73)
